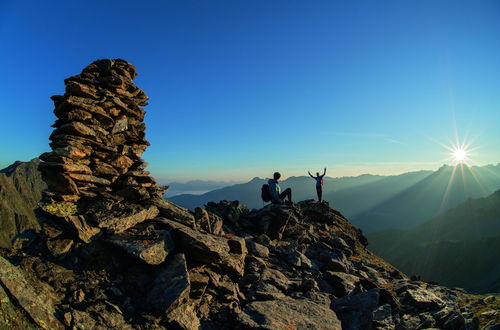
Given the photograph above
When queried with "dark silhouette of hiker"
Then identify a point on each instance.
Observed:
(319, 183)
(274, 190)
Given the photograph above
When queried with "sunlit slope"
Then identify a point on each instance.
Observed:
(459, 248)
(20, 191)
(440, 191)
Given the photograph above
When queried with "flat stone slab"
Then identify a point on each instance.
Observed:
(172, 211)
(124, 216)
(424, 299)
(151, 246)
(288, 313)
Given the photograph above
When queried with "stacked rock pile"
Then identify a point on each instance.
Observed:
(95, 172)
(99, 137)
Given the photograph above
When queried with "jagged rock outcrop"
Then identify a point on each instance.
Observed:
(112, 254)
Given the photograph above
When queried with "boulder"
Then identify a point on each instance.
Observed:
(124, 216)
(454, 321)
(298, 259)
(184, 317)
(276, 222)
(208, 221)
(382, 317)
(59, 182)
(78, 224)
(342, 283)
(59, 247)
(229, 211)
(423, 299)
(356, 311)
(209, 249)
(170, 287)
(174, 212)
(335, 265)
(258, 249)
(287, 313)
(149, 245)
(275, 278)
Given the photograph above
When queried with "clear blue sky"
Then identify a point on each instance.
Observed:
(243, 88)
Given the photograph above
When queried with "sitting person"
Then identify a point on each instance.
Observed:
(274, 190)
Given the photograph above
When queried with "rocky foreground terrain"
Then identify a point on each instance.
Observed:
(111, 253)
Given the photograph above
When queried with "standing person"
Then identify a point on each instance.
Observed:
(274, 190)
(319, 183)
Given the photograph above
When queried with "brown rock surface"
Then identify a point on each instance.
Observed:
(38, 305)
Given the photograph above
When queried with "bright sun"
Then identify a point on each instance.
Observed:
(459, 155)
(460, 152)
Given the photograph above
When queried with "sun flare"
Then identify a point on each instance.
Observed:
(459, 155)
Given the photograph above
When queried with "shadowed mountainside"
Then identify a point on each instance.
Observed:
(21, 187)
(457, 248)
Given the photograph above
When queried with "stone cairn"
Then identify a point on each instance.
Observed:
(95, 173)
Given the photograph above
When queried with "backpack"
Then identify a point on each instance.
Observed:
(265, 194)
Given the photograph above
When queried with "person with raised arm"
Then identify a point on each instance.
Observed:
(319, 183)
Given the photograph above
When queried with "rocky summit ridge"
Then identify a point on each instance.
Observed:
(111, 253)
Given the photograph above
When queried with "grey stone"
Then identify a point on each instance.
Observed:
(170, 287)
(151, 247)
(174, 212)
(335, 265)
(423, 299)
(356, 311)
(275, 278)
(206, 248)
(258, 249)
(382, 317)
(287, 313)
(342, 283)
(208, 221)
(124, 216)
(454, 321)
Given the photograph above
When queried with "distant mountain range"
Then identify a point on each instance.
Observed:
(457, 248)
(249, 193)
(373, 202)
